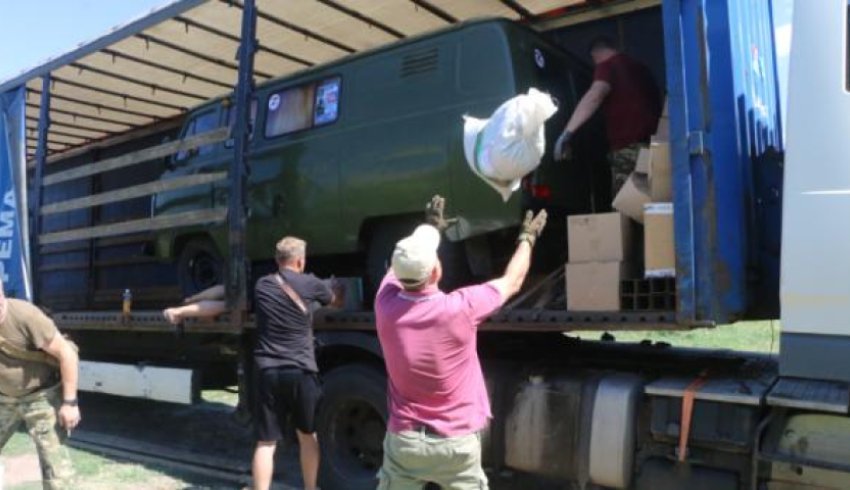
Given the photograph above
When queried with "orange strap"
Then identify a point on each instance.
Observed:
(687, 413)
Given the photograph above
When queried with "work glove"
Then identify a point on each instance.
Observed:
(532, 227)
(562, 149)
(434, 213)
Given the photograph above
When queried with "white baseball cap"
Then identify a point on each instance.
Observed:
(415, 256)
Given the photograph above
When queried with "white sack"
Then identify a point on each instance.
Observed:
(508, 146)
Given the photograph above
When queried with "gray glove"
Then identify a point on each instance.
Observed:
(532, 227)
(434, 213)
(562, 149)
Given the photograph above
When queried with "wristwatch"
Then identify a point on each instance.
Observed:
(70, 403)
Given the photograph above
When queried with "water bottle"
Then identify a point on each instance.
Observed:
(127, 303)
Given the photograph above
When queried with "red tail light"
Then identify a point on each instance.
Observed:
(541, 192)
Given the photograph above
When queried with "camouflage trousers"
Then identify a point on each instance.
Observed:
(622, 163)
(38, 413)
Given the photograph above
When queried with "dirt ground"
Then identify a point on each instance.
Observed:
(202, 429)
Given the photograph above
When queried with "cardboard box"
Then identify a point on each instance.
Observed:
(632, 196)
(642, 164)
(599, 237)
(660, 172)
(595, 286)
(659, 244)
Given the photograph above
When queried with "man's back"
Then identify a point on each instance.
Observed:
(429, 344)
(284, 331)
(633, 106)
(25, 327)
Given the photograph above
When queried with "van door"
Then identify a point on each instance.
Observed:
(206, 158)
(294, 180)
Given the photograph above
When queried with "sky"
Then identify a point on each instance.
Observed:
(34, 30)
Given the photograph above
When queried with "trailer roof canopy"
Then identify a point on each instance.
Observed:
(158, 66)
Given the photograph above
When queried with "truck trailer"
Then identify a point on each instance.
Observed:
(568, 413)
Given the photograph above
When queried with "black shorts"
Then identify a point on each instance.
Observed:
(283, 392)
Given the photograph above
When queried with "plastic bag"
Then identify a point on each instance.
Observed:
(508, 146)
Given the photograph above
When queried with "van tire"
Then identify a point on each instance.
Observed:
(456, 270)
(380, 250)
(351, 424)
(199, 266)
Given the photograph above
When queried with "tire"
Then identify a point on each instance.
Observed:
(199, 266)
(351, 426)
(381, 244)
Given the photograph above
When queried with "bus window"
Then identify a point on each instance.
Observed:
(303, 107)
(201, 123)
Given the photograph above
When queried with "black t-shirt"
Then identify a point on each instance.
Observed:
(284, 332)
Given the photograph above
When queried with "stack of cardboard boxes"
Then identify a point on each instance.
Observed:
(600, 256)
(601, 246)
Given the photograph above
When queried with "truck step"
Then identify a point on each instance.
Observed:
(810, 394)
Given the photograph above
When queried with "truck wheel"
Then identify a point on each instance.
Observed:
(199, 266)
(351, 427)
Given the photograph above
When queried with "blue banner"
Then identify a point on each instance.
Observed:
(14, 236)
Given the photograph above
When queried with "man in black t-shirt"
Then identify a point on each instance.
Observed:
(285, 361)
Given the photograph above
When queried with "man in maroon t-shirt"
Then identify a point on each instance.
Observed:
(631, 103)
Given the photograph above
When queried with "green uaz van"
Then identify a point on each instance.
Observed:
(345, 155)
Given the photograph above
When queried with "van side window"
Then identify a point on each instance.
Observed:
(303, 107)
(201, 123)
(230, 118)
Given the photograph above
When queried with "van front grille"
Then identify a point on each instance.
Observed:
(419, 62)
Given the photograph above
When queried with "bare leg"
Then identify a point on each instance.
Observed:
(262, 468)
(210, 294)
(195, 310)
(309, 451)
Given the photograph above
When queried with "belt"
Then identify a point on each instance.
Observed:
(40, 394)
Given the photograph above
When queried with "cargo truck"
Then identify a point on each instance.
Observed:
(567, 412)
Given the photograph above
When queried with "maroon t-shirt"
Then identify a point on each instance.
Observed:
(633, 106)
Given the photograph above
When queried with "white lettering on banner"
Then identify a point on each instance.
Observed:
(7, 231)
(7, 224)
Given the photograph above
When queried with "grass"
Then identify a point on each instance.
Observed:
(95, 472)
(760, 336)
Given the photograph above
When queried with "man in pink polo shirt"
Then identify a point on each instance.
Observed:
(438, 402)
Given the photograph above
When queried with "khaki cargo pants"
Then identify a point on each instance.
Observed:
(38, 412)
(622, 163)
(414, 458)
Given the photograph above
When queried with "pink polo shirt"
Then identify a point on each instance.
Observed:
(429, 344)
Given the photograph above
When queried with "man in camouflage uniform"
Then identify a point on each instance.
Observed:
(622, 164)
(630, 100)
(38, 386)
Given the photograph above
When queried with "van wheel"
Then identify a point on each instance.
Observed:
(351, 427)
(378, 256)
(199, 267)
(456, 270)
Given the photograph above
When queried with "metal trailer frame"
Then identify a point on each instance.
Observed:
(236, 267)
